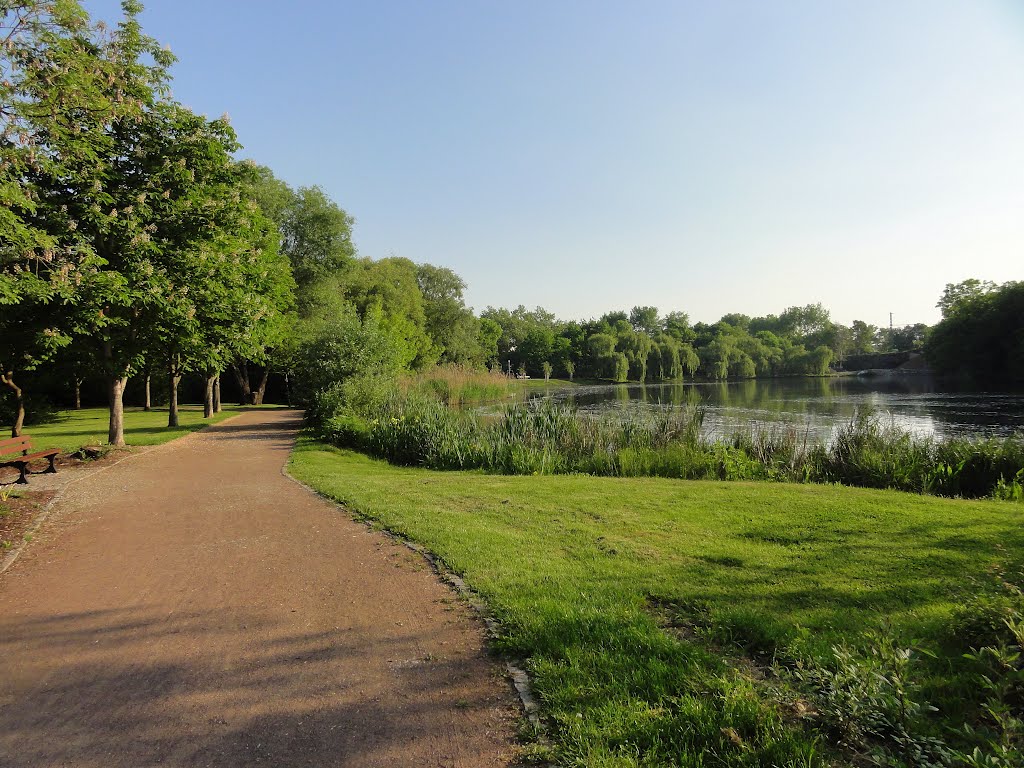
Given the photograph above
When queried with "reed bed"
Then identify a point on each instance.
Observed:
(416, 426)
(459, 385)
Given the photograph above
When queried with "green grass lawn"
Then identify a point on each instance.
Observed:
(73, 429)
(580, 571)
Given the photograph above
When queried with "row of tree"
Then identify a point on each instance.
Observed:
(642, 345)
(133, 243)
(130, 238)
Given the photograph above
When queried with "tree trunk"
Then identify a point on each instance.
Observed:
(216, 395)
(19, 403)
(208, 404)
(148, 405)
(258, 398)
(78, 394)
(172, 407)
(242, 377)
(115, 435)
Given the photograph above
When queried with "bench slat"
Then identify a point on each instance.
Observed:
(17, 451)
(15, 444)
(38, 454)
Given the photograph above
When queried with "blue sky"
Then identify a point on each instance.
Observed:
(709, 157)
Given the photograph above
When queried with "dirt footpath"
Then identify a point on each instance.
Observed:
(194, 607)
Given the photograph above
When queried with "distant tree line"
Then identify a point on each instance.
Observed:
(642, 345)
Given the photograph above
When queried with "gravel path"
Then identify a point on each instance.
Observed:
(192, 606)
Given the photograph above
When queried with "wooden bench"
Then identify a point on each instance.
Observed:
(18, 450)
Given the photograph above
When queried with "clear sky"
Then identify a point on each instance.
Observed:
(710, 157)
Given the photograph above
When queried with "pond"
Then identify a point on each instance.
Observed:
(816, 405)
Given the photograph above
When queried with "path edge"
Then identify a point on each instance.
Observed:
(515, 668)
(44, 514)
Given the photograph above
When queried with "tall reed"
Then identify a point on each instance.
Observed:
(459, 385)
(418, 427)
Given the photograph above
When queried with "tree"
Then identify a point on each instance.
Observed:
(909, 337)
(601, 347)
(392, 285)
(340, 344)
(736, 320)
(803, 321)
(80, 110)
(981, 335)
(488, 333)
(620, 366)
(714, 359)
(316, 235)
(677, 325)
(210, 245)
(637, 347)
(645, 320)
(863, 341)
(546, 368)
(963, 296)
(536, 348)
(452, 326)
(54, 105)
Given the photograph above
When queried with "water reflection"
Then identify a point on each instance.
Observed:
(918, 404)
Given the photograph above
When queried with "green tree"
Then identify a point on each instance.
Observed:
(714, 358)
(981, 335)
(451, 325)
(601, 348)
(488, 334)
(620, 366)
(645, 320)
(536, 348)
(637, 347)
(60, 88)
(316, 235)
(392, 285)
(221, 281)
(340, 344)
(677, 325)
(86, 194)
(736, 320)
(863, 341)
(965, 295)
(818, 361)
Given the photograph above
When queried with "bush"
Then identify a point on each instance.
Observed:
(870, 705)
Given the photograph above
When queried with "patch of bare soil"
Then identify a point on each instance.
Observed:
(18, 510)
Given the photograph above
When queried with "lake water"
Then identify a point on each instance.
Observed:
(916, 403)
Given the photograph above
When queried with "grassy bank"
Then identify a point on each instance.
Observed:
(672, 623)
(88, 426)
(541, 437)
